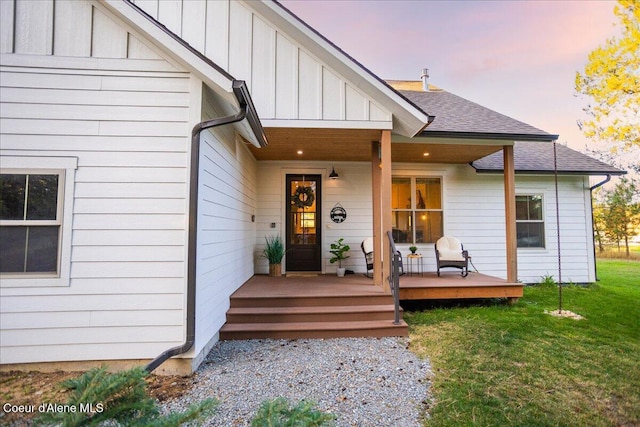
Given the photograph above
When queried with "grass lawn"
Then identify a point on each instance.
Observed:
(500, 365)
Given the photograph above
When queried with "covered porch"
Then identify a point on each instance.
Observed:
(325, 306)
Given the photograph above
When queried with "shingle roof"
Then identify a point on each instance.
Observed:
(536, 157)
(456, 116)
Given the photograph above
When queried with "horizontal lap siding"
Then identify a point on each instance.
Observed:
(128, 128)
(352, 191)
(226, 233)
(474, 213)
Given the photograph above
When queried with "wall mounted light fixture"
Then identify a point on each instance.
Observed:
(333, 174)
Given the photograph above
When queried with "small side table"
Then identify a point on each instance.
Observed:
(419, 265)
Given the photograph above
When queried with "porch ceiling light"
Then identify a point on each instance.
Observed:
(299, 152)
(333, 174)
(425, 154)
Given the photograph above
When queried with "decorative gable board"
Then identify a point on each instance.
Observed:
(286, 81)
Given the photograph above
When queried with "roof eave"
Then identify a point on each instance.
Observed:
(489, 135)
(550, 172)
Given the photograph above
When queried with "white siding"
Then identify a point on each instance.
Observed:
(285, 79)
(127, 123)
(226, 232)
(473, 212)
(352, 191)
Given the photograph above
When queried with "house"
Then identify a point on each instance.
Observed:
(148, 147)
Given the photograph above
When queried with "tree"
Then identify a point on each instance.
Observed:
(620, 216)
(612, 79)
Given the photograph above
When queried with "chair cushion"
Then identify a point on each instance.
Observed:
(367, 245)
(449, 249)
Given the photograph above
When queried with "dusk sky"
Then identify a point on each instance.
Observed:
(516, 57)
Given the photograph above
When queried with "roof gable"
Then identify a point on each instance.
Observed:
(297, 78)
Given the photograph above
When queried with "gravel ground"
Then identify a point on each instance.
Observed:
(363, 381)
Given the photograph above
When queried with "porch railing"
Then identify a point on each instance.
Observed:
(394, 276)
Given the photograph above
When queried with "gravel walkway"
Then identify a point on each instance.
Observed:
(363, 381)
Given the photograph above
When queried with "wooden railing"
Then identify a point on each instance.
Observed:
(394, 276)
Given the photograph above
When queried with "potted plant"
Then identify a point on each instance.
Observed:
(339, 250)
(413, 249)
(274, 251)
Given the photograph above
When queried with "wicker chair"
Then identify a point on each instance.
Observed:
(451, 253)
(367, 250)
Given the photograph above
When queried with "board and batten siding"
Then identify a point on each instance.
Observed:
(125, 115)
(226, 230)
(287, 82)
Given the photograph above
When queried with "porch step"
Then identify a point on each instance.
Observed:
(328, 313)
(315, 307)
(293, 330)
(309, 300)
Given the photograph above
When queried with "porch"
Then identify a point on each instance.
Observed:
(325, 306)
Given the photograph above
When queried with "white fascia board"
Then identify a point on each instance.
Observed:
(450, 141)
(217, 81)
(326, 124)
(408, 119)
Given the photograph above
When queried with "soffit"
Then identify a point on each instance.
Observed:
(353, 145)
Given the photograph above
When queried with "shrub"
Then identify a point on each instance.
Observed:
(98, 398)
(278, 413)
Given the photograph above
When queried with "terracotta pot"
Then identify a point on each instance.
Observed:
(275, 269)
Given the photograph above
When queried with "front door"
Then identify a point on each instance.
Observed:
(304, 245)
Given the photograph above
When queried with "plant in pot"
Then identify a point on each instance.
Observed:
(339, 250)
(413, 249)
(274, 251)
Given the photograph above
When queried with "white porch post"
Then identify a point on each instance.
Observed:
(376, 170)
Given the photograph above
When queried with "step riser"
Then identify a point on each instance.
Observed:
(308, 317)
(356, 333)
(311, 301)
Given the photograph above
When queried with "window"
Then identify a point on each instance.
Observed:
(530, 221)
(417, 209)
(30, 221)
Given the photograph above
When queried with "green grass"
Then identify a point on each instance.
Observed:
(500, 365)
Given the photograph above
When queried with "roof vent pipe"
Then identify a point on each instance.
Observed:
(424, 75)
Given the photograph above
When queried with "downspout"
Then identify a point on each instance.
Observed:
(593, 220)
(241, 93)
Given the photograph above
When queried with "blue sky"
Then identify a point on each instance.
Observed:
(516, 57)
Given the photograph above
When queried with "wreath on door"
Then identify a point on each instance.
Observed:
(303, 197)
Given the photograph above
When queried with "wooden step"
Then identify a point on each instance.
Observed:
(310, 314)
(294, 330)
(310, 300)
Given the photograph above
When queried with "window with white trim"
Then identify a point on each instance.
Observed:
(30, 221)
(530, 221)
(416, 209)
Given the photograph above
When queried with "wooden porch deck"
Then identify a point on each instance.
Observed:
(326, 306)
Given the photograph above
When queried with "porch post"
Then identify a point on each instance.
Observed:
(385, 201)
(510, 214)
(376, 174)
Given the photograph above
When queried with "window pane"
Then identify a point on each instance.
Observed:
(530, 234)
(12, 190)
(402, 227)
(401, 193)
(13, 242)
(522, 208)
(42, 200)
(42, 251)
(535, 208)
(428, 193)
(428, 227)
